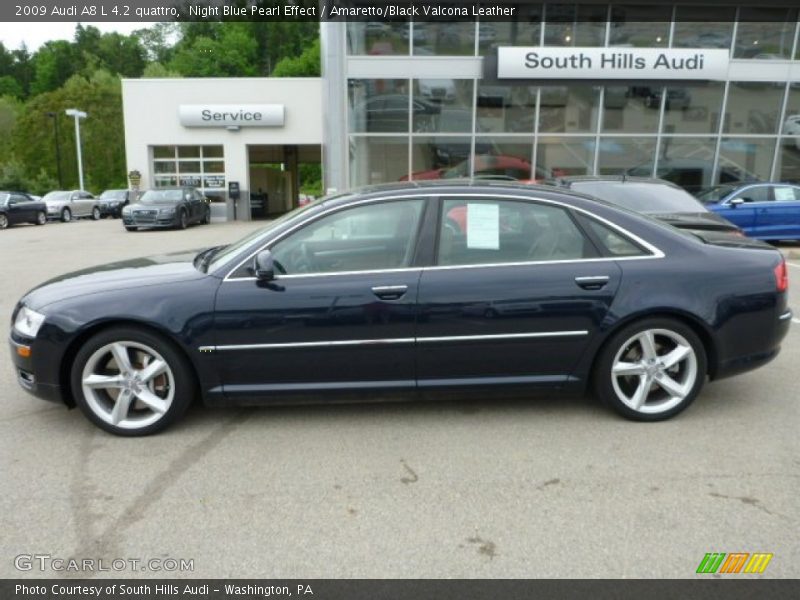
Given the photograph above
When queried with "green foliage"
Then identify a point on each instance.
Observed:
(306, 65)
(12, 176)
(310, 175)
(53, 64)
(42, 183)
(156, 70)
(10, 87)
(233, 54)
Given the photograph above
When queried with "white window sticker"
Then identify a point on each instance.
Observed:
(784, 194)
(483, 226)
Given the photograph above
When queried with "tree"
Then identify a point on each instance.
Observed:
(158, 41)
(308, 64)
(233, 55)
(10, 87)
(53, 64)
(156, 70)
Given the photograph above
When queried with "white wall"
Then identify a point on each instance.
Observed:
(150, 111)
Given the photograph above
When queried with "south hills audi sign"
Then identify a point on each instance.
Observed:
(612, 63)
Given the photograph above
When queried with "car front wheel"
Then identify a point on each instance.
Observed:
(3, 222)
(131, 382)
(41, 218)
(651, 370)
(66, 215)
(96, 213)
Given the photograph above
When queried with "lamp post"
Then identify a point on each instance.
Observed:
(78, 115)
(54, 116)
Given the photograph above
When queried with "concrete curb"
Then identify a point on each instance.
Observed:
(791, 253)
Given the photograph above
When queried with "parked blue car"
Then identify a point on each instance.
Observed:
(765, 211)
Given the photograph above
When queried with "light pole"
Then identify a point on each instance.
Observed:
(78, 115)
(54, 116)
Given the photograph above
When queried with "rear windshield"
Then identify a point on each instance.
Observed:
(642, 197)
(162, 197)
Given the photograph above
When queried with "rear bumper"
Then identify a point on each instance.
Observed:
(733, 365)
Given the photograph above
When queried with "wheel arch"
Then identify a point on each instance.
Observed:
(697, 325)
(68, 358)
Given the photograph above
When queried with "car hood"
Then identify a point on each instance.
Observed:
(699, 220)
(153, 270)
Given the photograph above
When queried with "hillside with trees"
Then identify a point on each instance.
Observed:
(36, 88)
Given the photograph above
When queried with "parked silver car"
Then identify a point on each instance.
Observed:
(68, 205)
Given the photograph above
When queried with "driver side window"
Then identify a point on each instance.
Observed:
(365, 238)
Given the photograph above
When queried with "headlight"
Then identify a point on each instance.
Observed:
(127, 210)
(28, 322)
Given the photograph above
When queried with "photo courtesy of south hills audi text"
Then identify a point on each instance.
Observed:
(104, 590)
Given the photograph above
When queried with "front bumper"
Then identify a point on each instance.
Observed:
(107, 210)
(133, 220)
(25, 371)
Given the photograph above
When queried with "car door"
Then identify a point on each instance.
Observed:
(20, 209)
(781, 216)
(340, 314)
(81, 203)
(198, 205)
(742, 206)
(513, 298)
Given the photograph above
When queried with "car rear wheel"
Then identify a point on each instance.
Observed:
(183, 220)
(41, 218)
(207, 217)
(3, 222)
(131, 382)
(651, 370)
(66, 215)
(96, 213)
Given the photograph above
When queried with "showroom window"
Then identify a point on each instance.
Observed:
(524, 30)
(378, 38)
(765, 33)
(703, 26)
(202, 167)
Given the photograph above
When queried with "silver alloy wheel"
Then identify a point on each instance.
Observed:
(654, 371)
(128, 384)
(66, 215)
(95, 213)
(3, 221)
(41, 218)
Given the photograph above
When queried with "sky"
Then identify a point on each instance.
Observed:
(36, 34)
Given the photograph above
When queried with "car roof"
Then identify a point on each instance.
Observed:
(617, 179)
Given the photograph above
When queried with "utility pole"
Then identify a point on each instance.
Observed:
(78, 115)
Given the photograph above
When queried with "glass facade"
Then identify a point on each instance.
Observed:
(696, 134)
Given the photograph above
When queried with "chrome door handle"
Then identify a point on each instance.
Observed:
(390, 292)
(592, 282)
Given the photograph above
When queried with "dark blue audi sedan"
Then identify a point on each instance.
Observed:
(765, 211)
(411, 290)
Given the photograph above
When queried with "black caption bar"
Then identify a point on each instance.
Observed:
(395, 589)
(374, 10)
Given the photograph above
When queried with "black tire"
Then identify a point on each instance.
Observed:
(183, 220)
(181, 371)
(95, 214)
(207, 217)
(66, 215)
(41, 218)
(690, 371)
(3, 222)
(129, 228)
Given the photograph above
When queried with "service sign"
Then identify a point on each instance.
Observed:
(612, 63)
(231, 115)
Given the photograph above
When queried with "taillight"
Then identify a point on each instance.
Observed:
(782, 276)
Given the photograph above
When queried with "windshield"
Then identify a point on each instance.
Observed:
(57, 197)
(642, 197)
(227, 253)
(162, 197)
(715, 194)
(113, 195)
(3, 198)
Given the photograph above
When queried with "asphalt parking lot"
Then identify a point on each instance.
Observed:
(540, 488)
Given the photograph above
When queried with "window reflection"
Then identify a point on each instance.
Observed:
(379, 105)
(511, 159)
(378, 159)
(703, 26)
(455, 38)
(505, 108)
(693, 108)
(559, 157)
(640, 26)
(448, 105)
(631, 156)
(431, 156)
(524, 30)
(753, 107)
(377, 38)
(568, 108)
(765, 33)
(631, 109)
(575, 25)
(746, 159)
(687, 162)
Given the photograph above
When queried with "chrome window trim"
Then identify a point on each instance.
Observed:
(387, 341)
(655, 252)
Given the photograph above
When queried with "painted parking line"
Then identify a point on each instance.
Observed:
(791, 264)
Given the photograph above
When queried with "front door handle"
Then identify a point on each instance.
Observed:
(592, 282)
(390, 292)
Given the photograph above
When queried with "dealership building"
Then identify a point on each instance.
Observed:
(699, 95)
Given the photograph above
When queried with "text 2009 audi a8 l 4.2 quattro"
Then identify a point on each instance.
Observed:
(411, 290)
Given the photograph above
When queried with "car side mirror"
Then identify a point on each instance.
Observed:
(265, 266)
(737, 201)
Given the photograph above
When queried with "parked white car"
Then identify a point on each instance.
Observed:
(68, 205)
(792, 128)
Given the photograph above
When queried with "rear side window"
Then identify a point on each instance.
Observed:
(612, 242)
(496, 231)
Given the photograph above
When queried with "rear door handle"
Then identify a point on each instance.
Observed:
(390, 292)
(592, 282)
